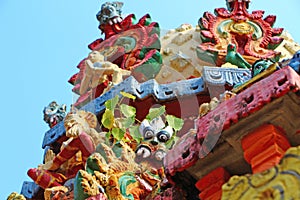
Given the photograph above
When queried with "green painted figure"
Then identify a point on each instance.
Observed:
(235, 58)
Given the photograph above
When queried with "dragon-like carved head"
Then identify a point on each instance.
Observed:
(54, 113)
(110, 13)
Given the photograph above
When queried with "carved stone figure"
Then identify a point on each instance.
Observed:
(98, 70)
(54, 113)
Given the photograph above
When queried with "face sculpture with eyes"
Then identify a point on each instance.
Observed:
(155, 134)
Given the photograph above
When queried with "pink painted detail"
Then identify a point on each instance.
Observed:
(46, 179)
(170, 194)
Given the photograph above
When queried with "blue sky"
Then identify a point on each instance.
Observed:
(42, 41)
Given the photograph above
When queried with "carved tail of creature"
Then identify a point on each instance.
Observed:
(124, 181)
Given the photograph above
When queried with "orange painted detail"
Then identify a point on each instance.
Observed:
(264, 147)
(211, 184)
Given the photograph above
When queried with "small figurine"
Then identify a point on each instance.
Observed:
(206, 107)
(54, 113)
(226, 95)
(98, 70)
(235, 58)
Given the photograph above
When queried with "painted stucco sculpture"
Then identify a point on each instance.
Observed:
(54, 113)
(235, 58)
(136, 42)
(115, 177)
(156, 122)
(130, 45)
(98, 71)
(81, 142)
(129, 164)
(253, 36)
(260, 66)
(16, 196)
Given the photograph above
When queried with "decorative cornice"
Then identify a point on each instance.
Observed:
(222, 76)
(160, 92)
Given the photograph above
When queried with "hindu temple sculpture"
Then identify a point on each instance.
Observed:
(130, 45)
(98, 71)
(235, 58)
(207, 112)
(54, 113)
(251, 34)
(81, 142)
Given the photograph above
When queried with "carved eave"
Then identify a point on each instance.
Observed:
(273, 100)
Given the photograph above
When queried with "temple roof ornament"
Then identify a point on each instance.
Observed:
(253, 36)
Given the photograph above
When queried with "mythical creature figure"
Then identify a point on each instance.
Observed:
(130, 45)
(116, 177)
(54, 113)
(83, 138)
(155, 134)
(97, 71)
(110, 13)
(260, 65)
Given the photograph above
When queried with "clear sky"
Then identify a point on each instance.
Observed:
(42, 41)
